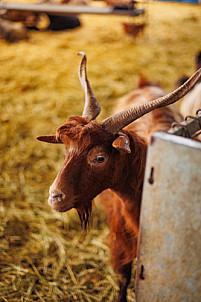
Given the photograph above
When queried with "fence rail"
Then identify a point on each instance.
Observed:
(70, 9)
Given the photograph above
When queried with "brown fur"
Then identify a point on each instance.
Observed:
(94, 163)
(133, 29)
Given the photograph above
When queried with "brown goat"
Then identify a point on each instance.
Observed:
(100, 156)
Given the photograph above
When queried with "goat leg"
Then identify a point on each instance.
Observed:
(124, 281)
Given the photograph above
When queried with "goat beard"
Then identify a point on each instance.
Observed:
(84, 215)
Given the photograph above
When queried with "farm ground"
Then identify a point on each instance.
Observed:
(44, 255)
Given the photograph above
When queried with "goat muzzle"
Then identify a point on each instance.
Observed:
(55, 195)
(56, 200)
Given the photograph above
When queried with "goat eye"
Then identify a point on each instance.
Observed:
(99, 159)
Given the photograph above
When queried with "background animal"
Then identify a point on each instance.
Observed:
(100, 156)
(157, 120)
(192, 101)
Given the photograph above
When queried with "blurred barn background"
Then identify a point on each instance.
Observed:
(44, 255)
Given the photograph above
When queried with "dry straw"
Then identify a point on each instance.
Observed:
(44, 255)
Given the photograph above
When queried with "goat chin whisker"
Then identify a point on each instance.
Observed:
(84, 215)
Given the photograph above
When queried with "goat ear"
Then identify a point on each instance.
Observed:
(49, 139)
(142, 81)
(122, 143)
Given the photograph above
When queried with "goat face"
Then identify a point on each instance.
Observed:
(93, 162)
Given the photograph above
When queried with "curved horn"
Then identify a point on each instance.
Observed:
(91, 107)
(121, 119)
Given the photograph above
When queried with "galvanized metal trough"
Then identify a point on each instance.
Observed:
(169, 248)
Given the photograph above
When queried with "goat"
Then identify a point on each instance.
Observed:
(192, 101)
(100, 156)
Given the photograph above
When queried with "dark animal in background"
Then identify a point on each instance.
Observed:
(42, 21)
(181, 80)
(55, 23)
(100, 156)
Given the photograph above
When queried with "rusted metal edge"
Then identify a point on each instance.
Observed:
(189, 127)
(69, 9)
(175, 139)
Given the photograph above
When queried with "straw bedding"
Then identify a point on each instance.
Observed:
(44, 255)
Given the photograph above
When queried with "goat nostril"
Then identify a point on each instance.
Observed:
(56, 195)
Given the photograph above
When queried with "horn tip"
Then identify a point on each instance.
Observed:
(81, 53)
